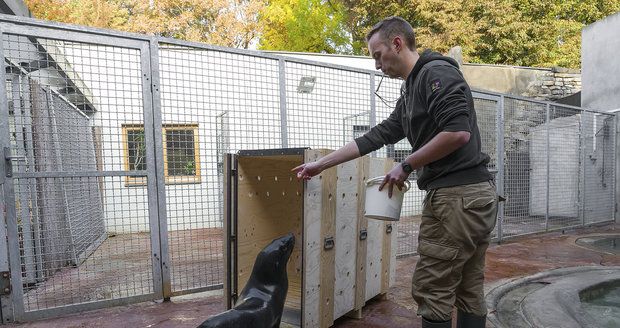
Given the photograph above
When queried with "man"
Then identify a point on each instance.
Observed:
(436, 114)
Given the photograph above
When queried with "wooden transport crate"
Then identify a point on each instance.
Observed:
(340, 260)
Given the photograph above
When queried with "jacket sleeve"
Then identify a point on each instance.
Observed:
(445, 92)
(390, 131)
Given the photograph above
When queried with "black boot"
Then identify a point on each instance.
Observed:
(468, 320)
(436, 324)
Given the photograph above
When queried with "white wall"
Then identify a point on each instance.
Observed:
(600, 69)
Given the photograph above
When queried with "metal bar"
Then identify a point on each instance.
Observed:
(583, 152)
(235, 230)
(32, 186)
(155, 167)
(616, 166)
(227, 172)
(56, 142)
(76, 308)
(372, 120)
(500, 165)
(13, 304)
(80, 174)
(548, 150)
(67, 35)
(28, 241)
(283, 118)
(259, 54)
(31, 23)
(479, 92)
(198, 290)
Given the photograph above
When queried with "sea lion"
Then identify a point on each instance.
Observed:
(261, 301)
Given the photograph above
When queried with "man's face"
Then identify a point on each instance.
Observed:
(384, 54)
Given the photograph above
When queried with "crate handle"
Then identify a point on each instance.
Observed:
(328, 243)
(363, 234)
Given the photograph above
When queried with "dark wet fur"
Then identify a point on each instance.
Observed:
(261, 301)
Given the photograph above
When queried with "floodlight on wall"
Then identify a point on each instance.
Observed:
(306, 84)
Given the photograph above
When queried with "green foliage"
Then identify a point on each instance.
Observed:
(512, 32)
(303, 25)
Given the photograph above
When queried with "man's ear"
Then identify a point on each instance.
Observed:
(397, 42)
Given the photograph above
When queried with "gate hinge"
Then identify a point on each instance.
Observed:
(5, 283)
(233, 238)
(233, 172)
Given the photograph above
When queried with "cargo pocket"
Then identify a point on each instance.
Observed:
(477, 201)
(437, 251)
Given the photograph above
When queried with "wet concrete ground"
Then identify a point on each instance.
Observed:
(512, 259)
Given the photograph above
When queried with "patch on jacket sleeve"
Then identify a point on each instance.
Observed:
(435, 85)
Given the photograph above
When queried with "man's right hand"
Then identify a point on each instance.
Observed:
(307, 170)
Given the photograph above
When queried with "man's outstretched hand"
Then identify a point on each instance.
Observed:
(307, 170)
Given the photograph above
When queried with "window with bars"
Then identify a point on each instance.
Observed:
(181, 153)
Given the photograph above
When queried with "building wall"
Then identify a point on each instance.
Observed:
(532, 82)
(601, 69)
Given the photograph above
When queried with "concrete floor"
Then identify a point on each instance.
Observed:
(512, 259)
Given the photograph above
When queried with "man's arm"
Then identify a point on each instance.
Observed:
(442, 145)
(346, 153)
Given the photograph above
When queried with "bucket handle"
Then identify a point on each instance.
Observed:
(378, 180)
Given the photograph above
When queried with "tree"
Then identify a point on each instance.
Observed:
(102, 14)
(303, 25)
(230, 23)
(512, 32)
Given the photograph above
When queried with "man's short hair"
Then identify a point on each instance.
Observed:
(391, 27)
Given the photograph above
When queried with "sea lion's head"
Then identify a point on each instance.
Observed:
(271, 261)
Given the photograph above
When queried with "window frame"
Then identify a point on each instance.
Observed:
(168, 180)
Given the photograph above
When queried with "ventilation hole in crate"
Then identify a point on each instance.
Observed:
(320, 177)
(370, 263)
(290, 178)
(350, 178)
(327, 301)
(275, 178)
(284, 193)
(250, 194)
(355, 194)
(343, 195)
(258, 177)
(240, 176)
(348, 273)
(267, 194)
(375, 275)
(340, 292)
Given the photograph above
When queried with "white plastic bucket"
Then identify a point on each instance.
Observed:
(378, 205)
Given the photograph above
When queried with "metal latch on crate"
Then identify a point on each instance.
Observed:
(388, 229)
(5, 283)
(363, 234)
(328, 243)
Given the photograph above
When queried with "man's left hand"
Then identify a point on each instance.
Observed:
(397, 177)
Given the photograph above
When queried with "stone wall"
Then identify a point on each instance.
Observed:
(554, 84)
(538, 83)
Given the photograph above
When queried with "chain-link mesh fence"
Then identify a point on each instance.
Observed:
(104, 134)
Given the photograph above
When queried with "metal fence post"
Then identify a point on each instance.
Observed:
(548, 150)
(11, 300)
(283, 118)
(583, 151)
(500, 165)
(158, 223)
(617, 166)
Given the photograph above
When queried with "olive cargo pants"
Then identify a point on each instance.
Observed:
(454, 236)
